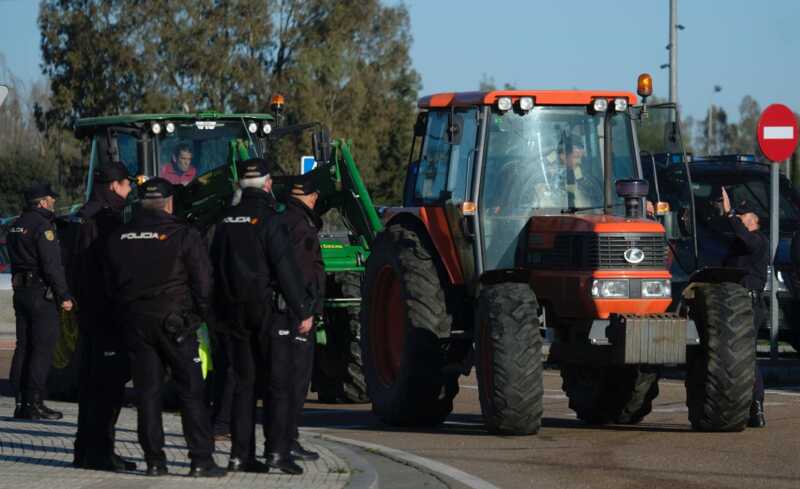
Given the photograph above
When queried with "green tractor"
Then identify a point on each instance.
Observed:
(198, 153)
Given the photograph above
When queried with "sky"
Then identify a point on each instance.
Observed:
(746, 47)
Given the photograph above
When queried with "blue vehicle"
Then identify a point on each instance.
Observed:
(746, 180)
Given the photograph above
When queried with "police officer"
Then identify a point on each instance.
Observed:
(750, 252)
(40, 288)
(104, 362)
(292, 339)
(252, 258)
(160, 278)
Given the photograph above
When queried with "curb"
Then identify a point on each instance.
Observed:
(362, 474)
(416, 461)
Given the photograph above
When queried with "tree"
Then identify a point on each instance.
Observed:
(344, 63)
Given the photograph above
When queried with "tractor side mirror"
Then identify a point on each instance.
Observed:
(321, 143)
(672, 142)
(421, 124)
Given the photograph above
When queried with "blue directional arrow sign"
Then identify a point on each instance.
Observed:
(307, 163)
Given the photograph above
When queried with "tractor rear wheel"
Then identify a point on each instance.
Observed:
(509, 359)
(338, 373)
(403, 322)
(611, 394)
(719, 380)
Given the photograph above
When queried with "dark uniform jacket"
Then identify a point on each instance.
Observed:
(90, 229)
(251, 254)
(750, 252)
(158, 264)
(304, 225)
(35, 252)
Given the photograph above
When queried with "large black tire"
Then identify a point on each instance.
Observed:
(719, 381)
(612, 394)
(509, 359)
(403, 322)
(338, 374)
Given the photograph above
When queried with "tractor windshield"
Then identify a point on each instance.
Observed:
(547, 161)
(195, 148)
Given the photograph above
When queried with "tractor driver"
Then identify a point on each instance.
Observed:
(180, 171)
(567, 185)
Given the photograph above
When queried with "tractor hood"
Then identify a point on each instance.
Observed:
(593, 223)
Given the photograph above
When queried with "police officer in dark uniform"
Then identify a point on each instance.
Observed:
(40, 288)
(104, 361)
(750, 252)
(252, 259)
(292, 339)
(160, 278)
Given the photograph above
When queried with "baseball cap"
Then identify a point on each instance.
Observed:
(156, 188)
(111, 172)
(254, 168)
(39, 190)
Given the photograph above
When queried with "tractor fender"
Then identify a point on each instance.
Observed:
(712, 275)
(434, 221)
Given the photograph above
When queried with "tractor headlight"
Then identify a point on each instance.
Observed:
(266, 128)
(620, 104)
(525, 103)
(156, 128)
(504, 103)
(600, 105)
(170, 127)
(614, 288)
(252, 127)
(656, 288)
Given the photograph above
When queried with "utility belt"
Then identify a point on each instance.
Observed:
(27, 279)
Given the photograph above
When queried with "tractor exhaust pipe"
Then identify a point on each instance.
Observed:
(633, 191)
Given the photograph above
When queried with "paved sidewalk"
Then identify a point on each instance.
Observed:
(39, 455)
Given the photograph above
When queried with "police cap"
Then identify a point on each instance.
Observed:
(156, 188)
(254, 168)
(111, 172)
(37, 191)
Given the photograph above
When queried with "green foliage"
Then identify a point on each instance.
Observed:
(344, 63)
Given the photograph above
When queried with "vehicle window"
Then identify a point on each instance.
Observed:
(462, 156)
(549, 160)
(434, 165)
(192, 151)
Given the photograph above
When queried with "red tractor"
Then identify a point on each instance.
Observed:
(524, 209)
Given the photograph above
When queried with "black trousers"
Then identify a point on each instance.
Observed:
(38, 330)
(291, 364)
(760, 314)
(248, 355)
(104, 371)
(150, 352)
(223, 383)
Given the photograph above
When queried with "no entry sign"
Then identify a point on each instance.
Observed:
(777, 132)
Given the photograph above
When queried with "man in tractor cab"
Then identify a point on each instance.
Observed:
(180, 170)
(582, 189)
(750, 252)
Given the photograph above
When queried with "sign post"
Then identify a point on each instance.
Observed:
(777, 138)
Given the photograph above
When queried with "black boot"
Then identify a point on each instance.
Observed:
(18, 406)
(757, 418)
(283, 463)
(36, 409)
(112, 463)
(236, 464)
(299, 453)
(208, 469)
(156, 469)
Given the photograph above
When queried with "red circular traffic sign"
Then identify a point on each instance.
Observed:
(777, 132)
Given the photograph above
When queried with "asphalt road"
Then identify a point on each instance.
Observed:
(661, 452)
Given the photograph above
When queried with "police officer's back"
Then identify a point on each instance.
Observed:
(104, 359)
(159, 275)
(253, 261)
(40, 288)
(750, 252)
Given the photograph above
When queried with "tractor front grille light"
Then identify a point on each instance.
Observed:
(656, 289)
(610, 289)
(266, 128)
(170, 127)
(600, 105)
(156, 128)
(620, 104)
(252, 127)
(504, 104)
